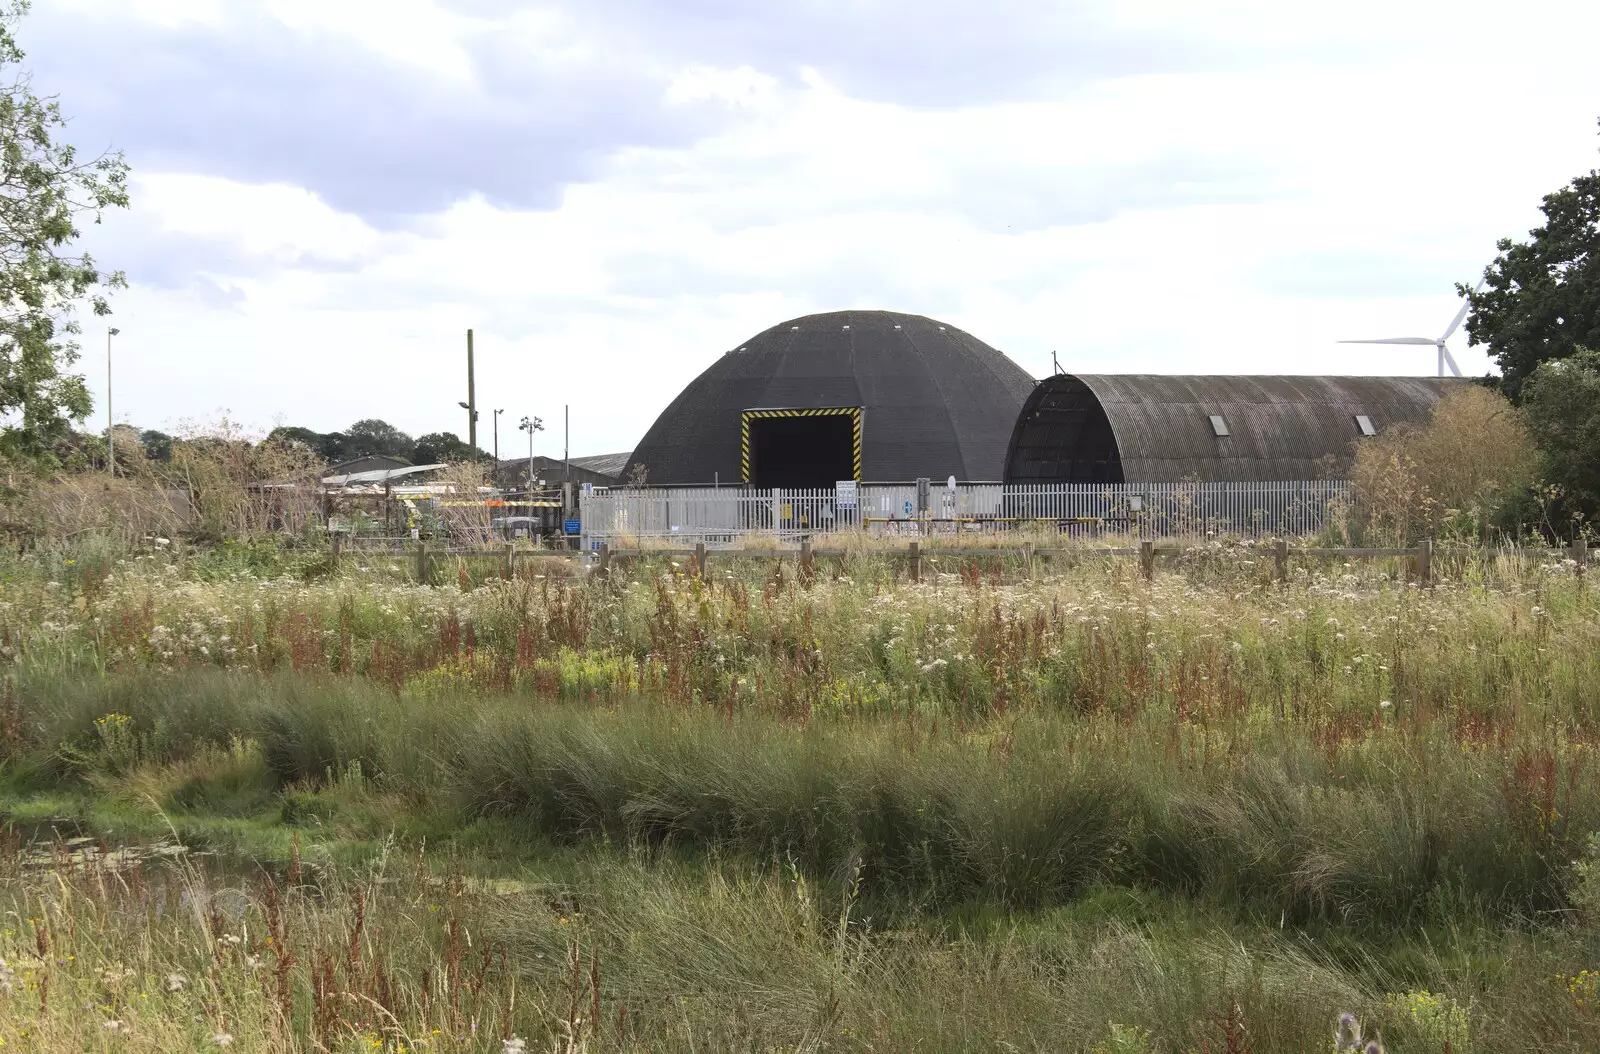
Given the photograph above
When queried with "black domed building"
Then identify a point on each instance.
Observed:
(863, 395)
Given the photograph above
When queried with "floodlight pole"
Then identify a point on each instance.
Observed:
(497, 414)
(472, 399)
(111, 442)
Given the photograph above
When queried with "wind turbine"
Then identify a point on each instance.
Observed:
(1445, 358)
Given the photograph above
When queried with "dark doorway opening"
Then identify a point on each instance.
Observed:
(796, 452)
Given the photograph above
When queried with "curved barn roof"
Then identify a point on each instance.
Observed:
(936, 401)
(1154, 428)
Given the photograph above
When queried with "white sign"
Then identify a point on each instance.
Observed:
(951, 484)
(844, 494)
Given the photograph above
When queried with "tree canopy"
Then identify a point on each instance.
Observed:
(1561, 405)
(45, 192)
(1541, 297)
(447, 447)
(371, 436)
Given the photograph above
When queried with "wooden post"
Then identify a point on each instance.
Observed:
(1425, 562)
(1147, 558)
(807, 560)
(916, 562)
(605, 558)
(1027, 560)
(1580, 554)
(338, 547)
(1280, 559)
(511, 561)
(700, 559)
(422, 563)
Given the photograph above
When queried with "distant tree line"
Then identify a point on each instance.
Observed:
(371, 437)
(80, 451)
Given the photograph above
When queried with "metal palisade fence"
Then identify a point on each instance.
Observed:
(734, 516)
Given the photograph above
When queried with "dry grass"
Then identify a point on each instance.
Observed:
(1470, 468)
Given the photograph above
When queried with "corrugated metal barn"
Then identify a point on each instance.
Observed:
(1147, 428)
(864, 395)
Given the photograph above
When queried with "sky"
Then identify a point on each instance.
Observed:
(612, 193)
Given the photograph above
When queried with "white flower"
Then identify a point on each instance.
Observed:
(112, 1026)
(223, 1039)
(177, 982)
(514, 1045)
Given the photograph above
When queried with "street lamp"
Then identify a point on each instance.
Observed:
(497, 414)
(111, 452)
(530, 425)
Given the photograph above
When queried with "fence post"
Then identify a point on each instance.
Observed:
(1580, 554)
(1027, 560)
(807, 560)
(700, 559)
(511, 558)
(422, 564)
(1147, 558)
(338, 547)
(1425, 562)
(605, 558)
(916, 562)
(1280, 559)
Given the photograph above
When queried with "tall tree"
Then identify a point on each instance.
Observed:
(45, 192)
(444, 447)
(1541, 297)
(372, 436)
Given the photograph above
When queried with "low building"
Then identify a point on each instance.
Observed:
(601, 471)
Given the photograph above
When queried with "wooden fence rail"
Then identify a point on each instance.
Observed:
(915, 555)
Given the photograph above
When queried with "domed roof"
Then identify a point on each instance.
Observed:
(1150, 428)
(935, 401)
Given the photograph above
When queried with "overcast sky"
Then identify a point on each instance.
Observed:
(327, 193)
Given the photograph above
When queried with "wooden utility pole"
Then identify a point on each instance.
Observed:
(472, 399)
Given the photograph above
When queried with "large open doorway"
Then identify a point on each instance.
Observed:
(797, 449)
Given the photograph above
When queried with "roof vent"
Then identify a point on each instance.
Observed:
(897, 325)
(1364, 423)
(794, 327)
(1219, 426)
(847, 327)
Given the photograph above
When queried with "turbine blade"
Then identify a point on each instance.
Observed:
(1466, 305)
(1394, 340)
(1450, 360)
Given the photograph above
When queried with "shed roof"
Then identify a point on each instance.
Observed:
(381, 475)
(1277, 427)
(605, 464)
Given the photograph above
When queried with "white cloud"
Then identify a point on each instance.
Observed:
(1325, 185)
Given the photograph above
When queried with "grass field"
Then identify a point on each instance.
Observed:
(1008, 808)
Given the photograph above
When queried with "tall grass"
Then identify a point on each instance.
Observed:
(992, 810)
(1508, 638)
(1409, 825)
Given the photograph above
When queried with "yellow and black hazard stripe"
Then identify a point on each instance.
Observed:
(853, 412)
